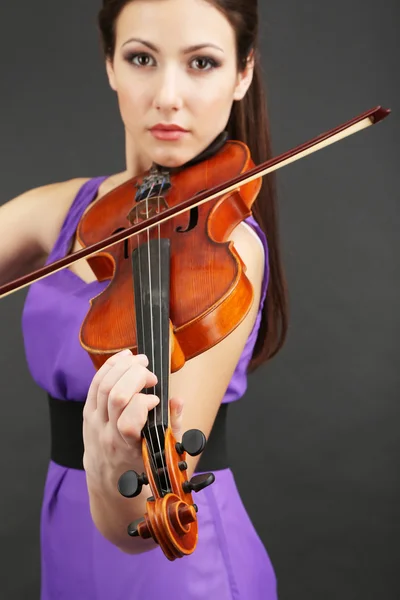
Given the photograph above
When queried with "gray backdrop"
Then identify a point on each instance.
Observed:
(315, 441)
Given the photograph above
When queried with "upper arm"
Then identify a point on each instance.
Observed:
(29, 226)
(203, 380)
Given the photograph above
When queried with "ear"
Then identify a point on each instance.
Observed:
(111, 74)
(245, 78)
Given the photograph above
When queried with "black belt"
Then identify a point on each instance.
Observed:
(66, 417)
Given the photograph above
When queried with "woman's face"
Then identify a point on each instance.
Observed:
(174, 65)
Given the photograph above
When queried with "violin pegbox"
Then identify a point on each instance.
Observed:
(171, 518)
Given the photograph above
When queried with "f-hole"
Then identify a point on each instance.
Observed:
(126, 254)
(193, 220)
(193, 217)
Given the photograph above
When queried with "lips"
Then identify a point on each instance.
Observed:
(168, 132)
(165, 127)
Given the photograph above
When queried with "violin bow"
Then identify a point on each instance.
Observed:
(364, 120)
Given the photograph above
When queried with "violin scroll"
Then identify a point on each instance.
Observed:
(171, 517)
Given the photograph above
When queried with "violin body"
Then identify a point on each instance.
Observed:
(209, 291)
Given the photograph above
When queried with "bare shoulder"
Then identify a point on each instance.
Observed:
(45, 193)
(54, 200)
(48, 206)
(42, 209)
(30, 224)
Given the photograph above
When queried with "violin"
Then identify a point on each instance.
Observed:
(177, 287)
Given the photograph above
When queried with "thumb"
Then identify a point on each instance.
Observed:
(176, 409)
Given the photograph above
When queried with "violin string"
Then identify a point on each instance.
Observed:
(160, 311)
(152, 326)
(144, 349)
(150, 438)
(150, 443)
(159, 196)
(161, 345)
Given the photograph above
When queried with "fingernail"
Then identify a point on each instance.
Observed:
(125, 352)
(142, 358)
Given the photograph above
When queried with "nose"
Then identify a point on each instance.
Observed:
(168, 92)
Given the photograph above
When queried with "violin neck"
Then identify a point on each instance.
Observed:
(151, 282)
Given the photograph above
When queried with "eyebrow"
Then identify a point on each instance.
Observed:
(187, 50)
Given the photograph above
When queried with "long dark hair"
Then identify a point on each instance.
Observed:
(249, 123)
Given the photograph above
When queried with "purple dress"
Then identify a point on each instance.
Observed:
(77, 562)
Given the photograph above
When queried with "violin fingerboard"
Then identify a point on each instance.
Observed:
(151, 283)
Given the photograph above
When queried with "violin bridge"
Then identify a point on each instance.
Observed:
(146, 209)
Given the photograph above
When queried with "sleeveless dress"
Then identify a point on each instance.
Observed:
(77, 562)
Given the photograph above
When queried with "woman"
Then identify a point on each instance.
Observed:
(183, 71)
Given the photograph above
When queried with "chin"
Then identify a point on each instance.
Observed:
(172, 158)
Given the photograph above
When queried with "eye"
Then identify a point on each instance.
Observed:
(204, 63)
(140, 59)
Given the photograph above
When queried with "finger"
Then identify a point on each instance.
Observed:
(130, 382)
(91, 399)
(120, 363)
(107, 376)
(175, 419)
(134, 417)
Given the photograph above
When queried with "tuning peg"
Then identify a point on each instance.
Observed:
(130, 484)
(193, 442)
(133, 528)
(198, 482)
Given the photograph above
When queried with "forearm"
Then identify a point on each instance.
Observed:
(112, 513)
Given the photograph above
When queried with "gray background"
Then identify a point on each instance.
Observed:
(315, 443)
